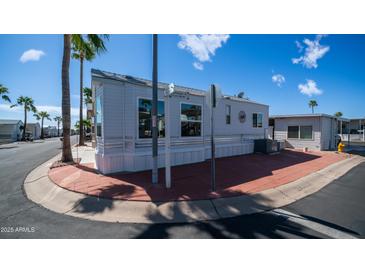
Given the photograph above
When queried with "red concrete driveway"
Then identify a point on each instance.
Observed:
(234, 176)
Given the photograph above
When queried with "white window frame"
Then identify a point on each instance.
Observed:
(262, 125)
(194, 121)
(137, 117)
(299, 126)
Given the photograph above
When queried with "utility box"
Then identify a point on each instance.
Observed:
(266, 146)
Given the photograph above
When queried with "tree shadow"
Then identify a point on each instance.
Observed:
(9, 147)
(93, 205)
(234, 176)
(256, 225)
(193, 181)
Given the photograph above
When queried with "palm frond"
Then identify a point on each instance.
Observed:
(6, 98)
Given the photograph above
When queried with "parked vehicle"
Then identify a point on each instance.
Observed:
(28, 137)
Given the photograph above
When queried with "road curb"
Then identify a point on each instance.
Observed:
(41, 190)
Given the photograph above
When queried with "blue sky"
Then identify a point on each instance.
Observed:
(329, 69)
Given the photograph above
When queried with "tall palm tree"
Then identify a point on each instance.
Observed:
(338, 114)
(58, 119)
(86, 124)
(312, 104)
(28, 104)
(88, 95)
(41, 116)
(85, 47)
(3, 93)
(66, 106)
(88, 100)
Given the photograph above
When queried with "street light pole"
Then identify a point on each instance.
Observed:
(213, 105)
(154, 113)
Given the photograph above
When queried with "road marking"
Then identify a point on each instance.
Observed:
(323, 229)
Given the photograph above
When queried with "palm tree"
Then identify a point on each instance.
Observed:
(28, 105)
(58, 119)
(338, 114)
(86, 124)
(88, 95)
(85, 47)
(312, 104)
(3, 93)
(88, 100)
(66, 106)
(40, 116)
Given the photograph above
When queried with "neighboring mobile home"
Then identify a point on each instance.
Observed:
(34, 129)
(312, 131)
(50, 131)
(122, 108)
(10, 130)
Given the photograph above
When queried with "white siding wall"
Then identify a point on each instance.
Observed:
(281, 132)
(120, 149)
(10, 132)
(329, 131)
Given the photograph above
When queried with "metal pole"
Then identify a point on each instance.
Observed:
(167, 141)
(213, 103)
(154, 113)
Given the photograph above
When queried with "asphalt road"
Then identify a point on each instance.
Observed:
(336, 211)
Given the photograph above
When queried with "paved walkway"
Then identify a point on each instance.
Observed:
(235, 176)
(42, 191)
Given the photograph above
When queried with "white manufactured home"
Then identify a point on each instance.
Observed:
(312, 131)
(123, 124)
(34, 129)
(10, 130)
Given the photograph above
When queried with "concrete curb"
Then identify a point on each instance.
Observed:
(41, 190)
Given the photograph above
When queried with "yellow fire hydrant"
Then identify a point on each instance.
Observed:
(340, 147)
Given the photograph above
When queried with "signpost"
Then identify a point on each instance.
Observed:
(214, 96)
(168, 93)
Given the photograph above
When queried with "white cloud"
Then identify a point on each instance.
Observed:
(55, 110)
(52, 110)
(198, 65)
(278, 79)
(31, 55)
(202, 46)
(310, 88)
(18, 113)
(313, 52)
(299, 46)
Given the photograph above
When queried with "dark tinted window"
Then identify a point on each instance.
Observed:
(190, 120)
(145, 118)
(293, 132)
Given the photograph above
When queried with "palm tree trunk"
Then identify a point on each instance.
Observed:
(58, 129)
(25, 122)
(66, 105)
(312, 109)
(42, 136)
(81, 142)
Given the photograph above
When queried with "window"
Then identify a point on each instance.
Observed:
(305, 132)
(228, 114)
(99, 116)
(257, 119)
(145, 118)
(300, 132)
(190, 118)
(293, 132)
